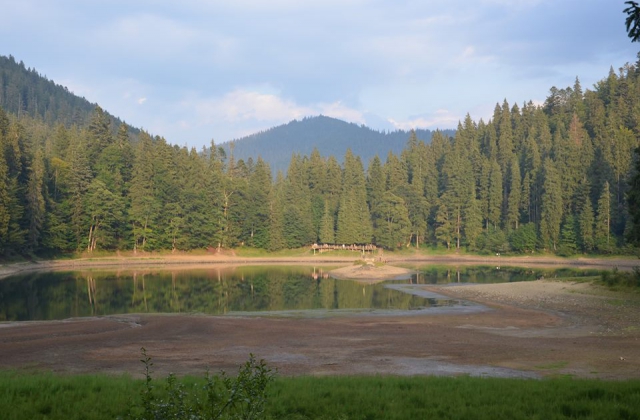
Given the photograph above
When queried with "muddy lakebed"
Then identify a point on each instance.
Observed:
(435, 320)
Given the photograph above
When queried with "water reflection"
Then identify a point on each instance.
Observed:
(239, 290)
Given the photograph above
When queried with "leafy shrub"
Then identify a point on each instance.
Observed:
(616, 278)
(222, 397)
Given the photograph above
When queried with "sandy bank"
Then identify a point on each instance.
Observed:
(370, 273)
(230, 259)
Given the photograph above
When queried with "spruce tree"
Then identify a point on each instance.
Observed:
(473, 221)
(633, 201)
(36, 201)
(585, 217)
(144, 207)
(495, 195)
(5, 215)
(551, 212)
(603, 221)
(258, 209)
(276, 225)
(298, 227)
(327, 230)
(393, 227)
(515, 196)
(354, 220)
(568, 241)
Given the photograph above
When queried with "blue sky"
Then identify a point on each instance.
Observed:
(196, 70)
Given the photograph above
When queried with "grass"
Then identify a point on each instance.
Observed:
(553, 366)
(48, 396)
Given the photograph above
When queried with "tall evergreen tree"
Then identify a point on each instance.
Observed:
(585, 219)
(276, 225)
(36, 201)
(551, 214)
(298, 227)
(633, 201)
(495, 195)
(515, 195)
(354, 220)
(258, 210)
(603, 221)
(144, 207)
(393, 226)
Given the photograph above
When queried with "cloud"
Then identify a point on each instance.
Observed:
(441, 118)
(142, 101)
(243, 105)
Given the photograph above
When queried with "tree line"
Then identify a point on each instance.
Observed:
(552, 177)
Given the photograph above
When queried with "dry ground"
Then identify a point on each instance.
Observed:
(530, 329)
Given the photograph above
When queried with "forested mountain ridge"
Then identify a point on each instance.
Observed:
(25, 92)
(554, 177)
(330, 136)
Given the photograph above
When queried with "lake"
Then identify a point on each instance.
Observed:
(240, 291)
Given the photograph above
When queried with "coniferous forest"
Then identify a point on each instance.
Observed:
(554, 177)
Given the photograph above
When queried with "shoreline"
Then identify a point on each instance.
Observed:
(539, 328)
(621, 263)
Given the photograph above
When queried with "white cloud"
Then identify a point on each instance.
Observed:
(142, 101)
(442, 118)
(246, 105)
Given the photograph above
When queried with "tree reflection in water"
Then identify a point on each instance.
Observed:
(218, 291)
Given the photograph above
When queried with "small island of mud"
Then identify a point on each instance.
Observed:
(370, 273)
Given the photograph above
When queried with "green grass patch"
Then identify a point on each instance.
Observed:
(48, 396)
(553, 366)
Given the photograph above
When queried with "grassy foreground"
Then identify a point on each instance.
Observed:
(48, 396)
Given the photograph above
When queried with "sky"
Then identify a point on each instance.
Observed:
(193, 71)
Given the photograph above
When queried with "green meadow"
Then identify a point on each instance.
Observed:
(51, 396)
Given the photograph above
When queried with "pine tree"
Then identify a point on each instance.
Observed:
(551, 213)
(79, 179)
(603, 221)
(354, 220)
(258, 210)
(444, 228)
(36, 201)
(104, 216)
(585, 217)
(568, 242)
(99, 135)
(393, 226)
(298, 227)
(5, 214)
(633, 201)
(473, 221)
(515, 197)
(376, 181)
(495, 195)
(327, 230)
(144, 207)
(276, 225)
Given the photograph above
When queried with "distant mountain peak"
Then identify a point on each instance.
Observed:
(331, 136)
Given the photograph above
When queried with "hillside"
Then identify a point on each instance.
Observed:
(329, 135)
(24, 91)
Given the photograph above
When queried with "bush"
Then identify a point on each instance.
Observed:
(222, 397)
(616, 278)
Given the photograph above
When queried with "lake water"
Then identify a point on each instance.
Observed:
(243, 291)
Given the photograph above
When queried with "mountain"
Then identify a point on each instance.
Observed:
(24, 91)
(330, 136)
